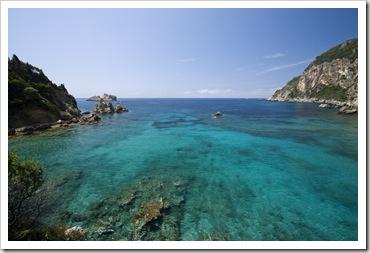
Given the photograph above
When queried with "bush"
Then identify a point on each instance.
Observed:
(25, 202)
(29, 201)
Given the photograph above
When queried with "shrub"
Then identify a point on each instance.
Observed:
(25, 202)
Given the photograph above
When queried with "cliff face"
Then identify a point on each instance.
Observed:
(332, 76)
(33, 99)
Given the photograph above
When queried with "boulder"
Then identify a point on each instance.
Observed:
(218, 113)
(324, 106)
(347, 110)
(75, 234)
(111, 108)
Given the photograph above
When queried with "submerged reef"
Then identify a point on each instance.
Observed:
(150, 209)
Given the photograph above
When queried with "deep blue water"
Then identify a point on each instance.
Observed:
(262, 171)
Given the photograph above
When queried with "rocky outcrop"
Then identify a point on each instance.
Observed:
(331, 79)
(33, 100)
(104, 108)
(106, 97)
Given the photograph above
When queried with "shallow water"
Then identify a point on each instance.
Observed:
(262, 171)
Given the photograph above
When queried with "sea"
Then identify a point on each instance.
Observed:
(169, 169)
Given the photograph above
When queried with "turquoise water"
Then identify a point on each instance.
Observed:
(262, 171)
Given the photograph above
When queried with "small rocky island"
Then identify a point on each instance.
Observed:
(104, 108)
(106, 97)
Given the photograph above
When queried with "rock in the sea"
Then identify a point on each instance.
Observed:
(106, 97)
(119, 108)
(150, 211)
(324, 106)
(88, 120)
(75, 234)
(103, 108)
(85, 112)
(218, 113)
(347, 110)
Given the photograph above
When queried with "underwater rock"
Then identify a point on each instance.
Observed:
(128, 197)
(75, 234)
(150, 211)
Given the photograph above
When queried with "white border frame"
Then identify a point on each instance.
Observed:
(360, 244)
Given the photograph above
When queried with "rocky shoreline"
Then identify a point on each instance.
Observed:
(28, 130)
(343, 107)
(84, 118)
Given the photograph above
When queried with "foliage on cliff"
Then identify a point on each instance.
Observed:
(347, 50)
(33, 98)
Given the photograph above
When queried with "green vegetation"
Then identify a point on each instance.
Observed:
(31, 94)
(347, 50)
(29, 201)
(292, 86)
(334, 92)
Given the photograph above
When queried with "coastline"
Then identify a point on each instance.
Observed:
(344, 107)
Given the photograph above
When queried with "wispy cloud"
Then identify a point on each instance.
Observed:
(185, 60)
(249, 67)
(216, 91)
(274, 55)
(284, 66)
(188, 92)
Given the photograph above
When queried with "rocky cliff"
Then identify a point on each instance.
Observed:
(332, 79)
(33, 99)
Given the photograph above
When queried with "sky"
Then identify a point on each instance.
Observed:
(179, 53)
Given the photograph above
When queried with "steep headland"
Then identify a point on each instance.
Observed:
(34, 100)
(331, 79)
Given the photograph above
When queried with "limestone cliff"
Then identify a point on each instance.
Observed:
(33, 99)
(331, 78)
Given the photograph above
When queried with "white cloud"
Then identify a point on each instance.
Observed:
(285, 66)
(274, 55)
(185, 60)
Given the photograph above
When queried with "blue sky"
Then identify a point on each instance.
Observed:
(175, 52)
